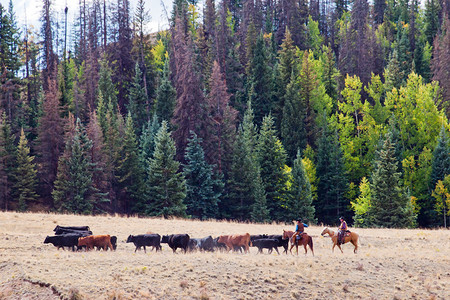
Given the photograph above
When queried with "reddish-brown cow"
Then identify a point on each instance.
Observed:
(237, 240)
(99, 241)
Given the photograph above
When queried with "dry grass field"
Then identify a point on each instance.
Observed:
(391, 264)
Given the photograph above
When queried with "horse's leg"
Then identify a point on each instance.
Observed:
(355, 243)
(340, 249)
(332, 249)
(306, 250)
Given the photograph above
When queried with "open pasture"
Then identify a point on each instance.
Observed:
(390, 264)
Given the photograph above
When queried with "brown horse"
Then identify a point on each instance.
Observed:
(305, 240)
(352, 238)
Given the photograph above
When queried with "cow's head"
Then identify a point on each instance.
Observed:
(222, 239)
(165, 239)
(130, 239)
(47, 240)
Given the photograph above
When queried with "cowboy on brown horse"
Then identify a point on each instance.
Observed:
(342, 230)
(299, 229)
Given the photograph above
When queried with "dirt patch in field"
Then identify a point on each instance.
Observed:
(390, 264)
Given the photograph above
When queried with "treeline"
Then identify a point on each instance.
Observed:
(256, 110)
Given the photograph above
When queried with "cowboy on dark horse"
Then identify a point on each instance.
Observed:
(342, 230)
(299, 229)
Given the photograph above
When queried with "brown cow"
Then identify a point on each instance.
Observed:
(100, 241)
(237, 240)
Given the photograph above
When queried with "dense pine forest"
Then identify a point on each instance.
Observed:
(249, 110)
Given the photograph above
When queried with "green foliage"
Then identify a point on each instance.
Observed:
(299, 196)
(73, 185)
(165, 96)
(138, 105)
(441, 195)
(167, 187)
(331, 202)
(244, 191)
(130, 172)
(25, 186)
(362, 204)
(272, 158)
(201, 196)
(419, 120)
(391, 205)
(7, 160)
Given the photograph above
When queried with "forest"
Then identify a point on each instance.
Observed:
(247, 110)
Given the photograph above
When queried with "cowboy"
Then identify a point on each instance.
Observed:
(299, 228)
(342, 230)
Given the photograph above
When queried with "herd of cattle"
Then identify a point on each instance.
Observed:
(81, 237)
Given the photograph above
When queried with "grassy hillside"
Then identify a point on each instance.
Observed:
(399, 264)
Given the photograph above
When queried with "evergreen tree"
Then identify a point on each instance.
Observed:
(147, 140)
(138, 103)
(432, 10)
(25, 186)
(73, 186)
(390, 203)
(272, 159)
(440, 167)
(165, 96)
(7, 161)
(9, 43)
(260, 212)
(243, 189)
(293, 129)
(260, 82)
(201, 199)
(331, 202)
(299, 197)
(167, 187)
(130, 172)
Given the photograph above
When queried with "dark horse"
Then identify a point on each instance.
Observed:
(304, 240)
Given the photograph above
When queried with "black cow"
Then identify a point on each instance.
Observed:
(204, 244)
(65, 240)
(258, 237)
(143, 240)
(60, 231)
(176, 241)
(267, 244)
(281, 242)
(76, 228)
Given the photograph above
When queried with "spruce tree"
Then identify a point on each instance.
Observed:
(293, 131)
(138, 103)
(440, 167)
(25, 185)
(7, 161)
(272, 159)
(201, 199)
(331, 202)
(260, 81)
(298, 196)
(259, 210)
(147, 140)
(167, 187)
(166, 96)
(390, 203)
(242, 185)
(130, 172)
(73, 185)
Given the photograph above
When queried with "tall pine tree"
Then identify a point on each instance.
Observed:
(167, 187)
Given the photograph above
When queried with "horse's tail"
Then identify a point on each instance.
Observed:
(311, 244)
